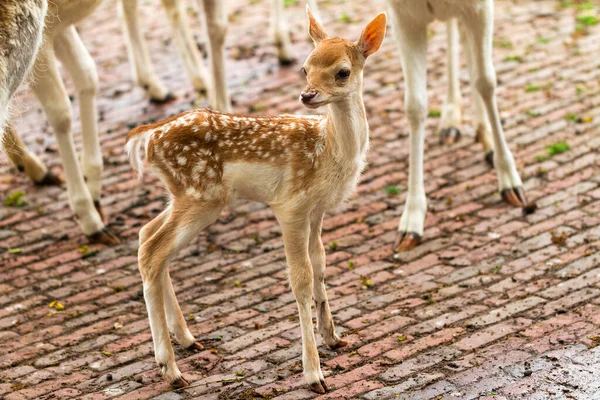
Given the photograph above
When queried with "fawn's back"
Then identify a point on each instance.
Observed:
(211, 155)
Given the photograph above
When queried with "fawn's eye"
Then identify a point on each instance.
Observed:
(343, 74)
(303, 71)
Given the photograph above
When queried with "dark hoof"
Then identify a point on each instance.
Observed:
(99, 209)
(514, 196)
(180, 383)
(489, 158)
(50, 179)
(449, 135)
(406, 241)
(530, 208)
(103, 237)
(339, 345)
(168, 98)
(286, 62)
(318, 387)
(195, 346)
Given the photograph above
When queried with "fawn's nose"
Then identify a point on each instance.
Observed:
(307, 96)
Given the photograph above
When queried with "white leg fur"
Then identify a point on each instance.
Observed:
(82, 68)
(49, 89)
(412, 40)
(483, 130)
(280, 32)
(479, 31)
(186, 44)
(216, 25)
(451, 117)
(141, 66)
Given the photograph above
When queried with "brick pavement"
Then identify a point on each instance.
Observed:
(492, 305)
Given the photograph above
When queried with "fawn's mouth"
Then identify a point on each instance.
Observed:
(313, 105)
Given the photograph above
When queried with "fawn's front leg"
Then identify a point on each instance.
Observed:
(295, 230)
(325, 324)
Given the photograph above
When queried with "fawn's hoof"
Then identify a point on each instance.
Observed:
(195, 346)
(158, 101)
(180, 383)
(319, 387)
(99, 209)
(50, 179)
(489, 158)
(103, 237)
(406, 241)
(449, 135)
(341, 343)
(514, 196)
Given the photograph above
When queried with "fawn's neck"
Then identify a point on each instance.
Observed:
(347, 128)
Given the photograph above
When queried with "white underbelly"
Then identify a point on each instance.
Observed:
(253, 181)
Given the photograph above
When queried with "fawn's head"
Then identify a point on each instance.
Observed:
(335, 66)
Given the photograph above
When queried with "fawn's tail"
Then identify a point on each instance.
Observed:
(137, 140)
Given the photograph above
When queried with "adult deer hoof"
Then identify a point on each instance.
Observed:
(50, 179)
(449, 135)
(514, 196)
(287, 61)
(103, 237)
(406, 241)
(168, 98)
(489, 158)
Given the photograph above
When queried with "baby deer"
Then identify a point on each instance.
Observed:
(301, 166)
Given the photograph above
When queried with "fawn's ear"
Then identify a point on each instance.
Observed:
(315, 30)
(372, 36)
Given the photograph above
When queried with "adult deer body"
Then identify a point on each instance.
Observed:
(300, 166)
(410, 20)
(21, 24)
(62, 42)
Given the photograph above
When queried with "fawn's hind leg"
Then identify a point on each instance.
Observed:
(179, 226)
